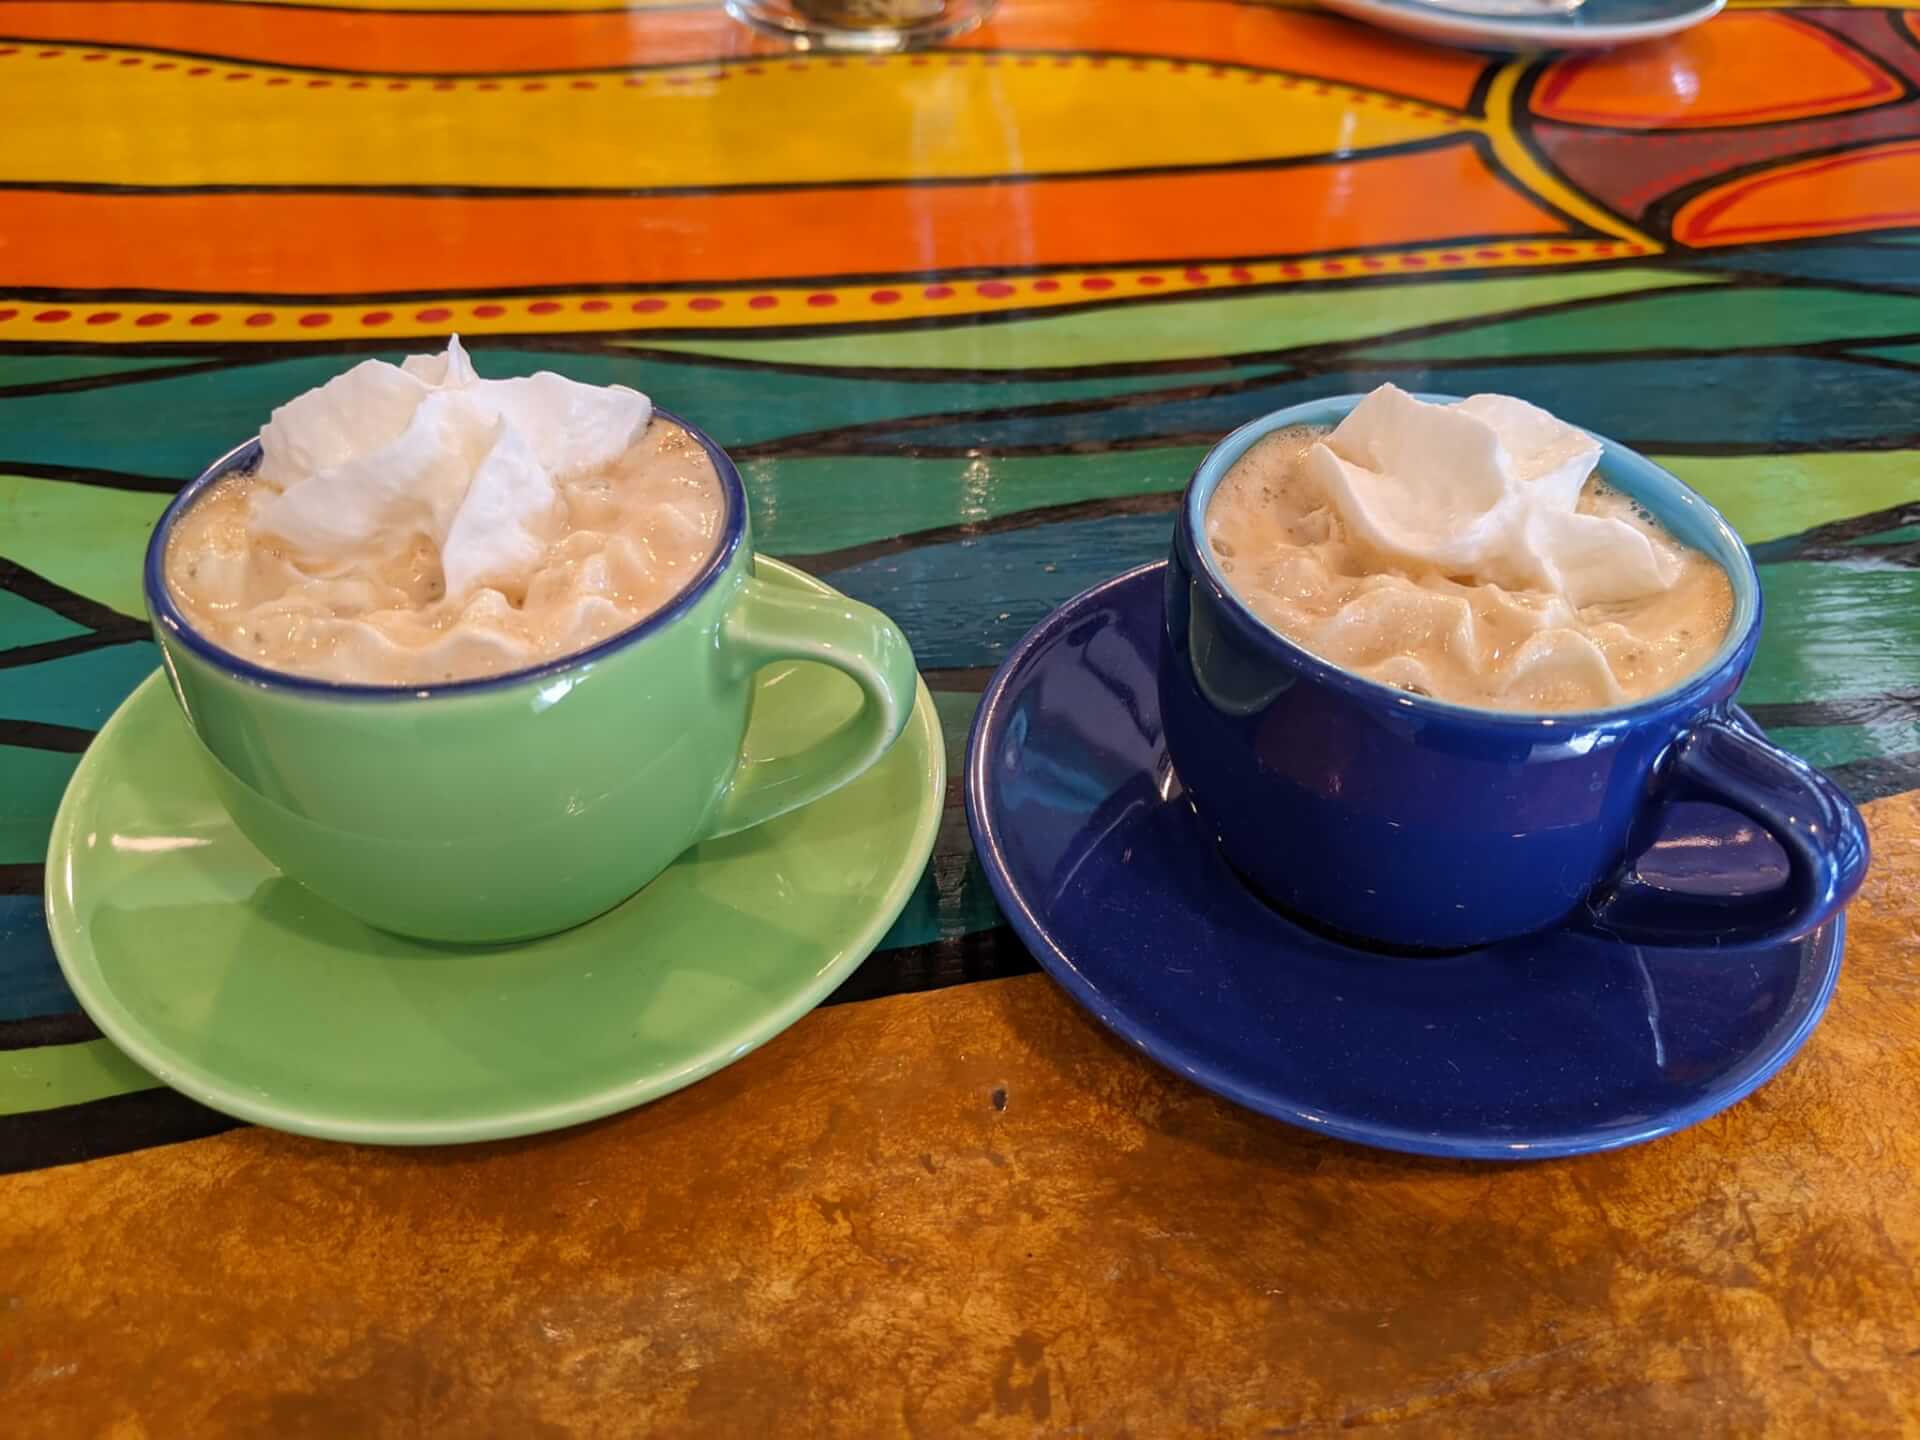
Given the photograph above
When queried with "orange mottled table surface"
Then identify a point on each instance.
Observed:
(967, 318)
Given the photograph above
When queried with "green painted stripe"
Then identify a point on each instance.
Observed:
(1836, 630)
(1767, 496)
(50, 369)
(1720, 318)
(802, 507)
(52, 1075)
(85, 537)
(1828, 745)
(1187, 329)
(1907, 353)
(805, 506)
(24, 623)
(208, 412)
(31, 784)
(79, 690)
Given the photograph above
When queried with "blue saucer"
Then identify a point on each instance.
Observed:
(1555, 1045)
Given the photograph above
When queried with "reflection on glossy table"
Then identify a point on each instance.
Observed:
(966, 318)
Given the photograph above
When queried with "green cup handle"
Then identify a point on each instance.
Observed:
(775, 622)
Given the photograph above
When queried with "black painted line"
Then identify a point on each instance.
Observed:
(40, 735)
(1306, 362)
(30, 1034)
(1045, 409)
(1482, 88)
(1878, 776)
(958, 960)
(1838, 539)
(981, 319)
(40, 654)
(103, 479)
(986, 179)
(65, 295)
(1647, 444)
(1772, 280)
(67, 604)
(23, 877)
(1321, 357)
(824, 562)
(959, 679)
(103, 382)
(1863, 710)
(96, 1129)
(707, 62)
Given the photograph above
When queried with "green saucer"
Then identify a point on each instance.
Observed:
(233, 984)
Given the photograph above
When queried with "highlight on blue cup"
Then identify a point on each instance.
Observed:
(1407, 822)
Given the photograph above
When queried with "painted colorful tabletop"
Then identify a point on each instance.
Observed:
(966, 318)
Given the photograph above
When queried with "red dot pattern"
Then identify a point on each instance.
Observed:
(995, 291)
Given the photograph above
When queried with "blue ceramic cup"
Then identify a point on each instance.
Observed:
(1408, 822)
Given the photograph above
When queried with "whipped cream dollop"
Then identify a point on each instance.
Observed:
(1470, 552)
(1488, 489)
(385, 454)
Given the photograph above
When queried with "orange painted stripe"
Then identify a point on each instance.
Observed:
(394, 44)
(1741, 69)
(305, 244)
(1217, 31)
(1874, 188)
(1204, 31)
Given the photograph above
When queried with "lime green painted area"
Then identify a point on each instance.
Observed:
(1718, 318)
(53, 1075)
(88, 538)
(1191, 328)
(48, 369)
(1836, 630)
(31, 784)
(801, 507)
(1767, 496)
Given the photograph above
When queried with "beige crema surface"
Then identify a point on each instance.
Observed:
(624, 540)
(1286, 552)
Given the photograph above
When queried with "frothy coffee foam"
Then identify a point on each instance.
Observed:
(413, 525)
(1466, 552)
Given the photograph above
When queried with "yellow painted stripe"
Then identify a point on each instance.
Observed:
(738, 308)
(943, 116)
(53, 1075)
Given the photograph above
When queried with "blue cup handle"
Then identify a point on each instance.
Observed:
(1723, 759)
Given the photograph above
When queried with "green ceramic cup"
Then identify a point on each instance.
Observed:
(500, 809)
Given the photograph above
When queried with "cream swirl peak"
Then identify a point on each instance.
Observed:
(1488, 489)
(383, 455)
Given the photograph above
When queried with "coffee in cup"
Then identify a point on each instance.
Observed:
(419, 525)
(1467, 552)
